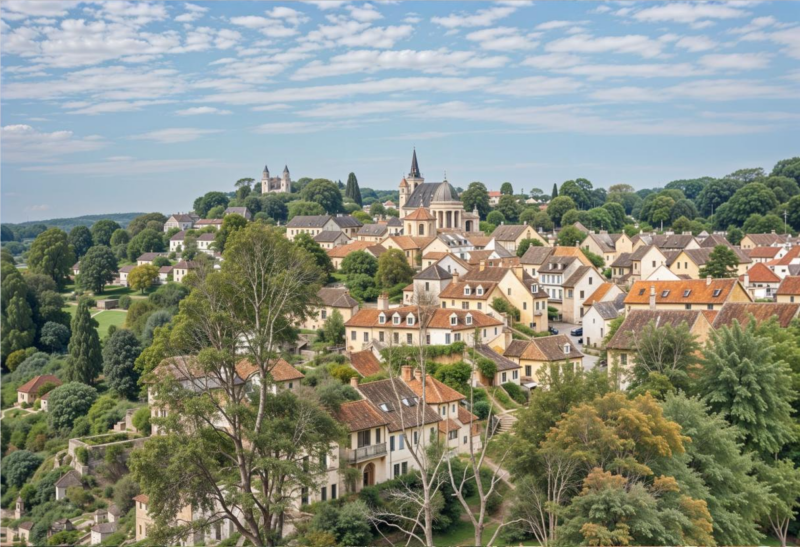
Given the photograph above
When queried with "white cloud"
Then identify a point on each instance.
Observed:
(703, 90)
(735, 61)
(355, 110)
(193, 13)
(364, 13)
(503, 39)
(89, 109)
(291, 128)
(24, 144)
(272, 28)
(696, 43)
(20, 9)
(553, 25)
(122, 166)
(175, 135)
(690, 12)
(654, 70)
(536, 86)
(439, 61)
(585, 43)
(198, 110)
(327, 4)
(481, 18)
(352, 33)
(788, 38)
(551, 61)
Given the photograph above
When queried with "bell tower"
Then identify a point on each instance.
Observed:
(414, 177)
(286, 182)
(19, 508)
(265, 180)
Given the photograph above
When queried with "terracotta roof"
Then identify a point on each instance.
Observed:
(403, 409)
(479, 241)
(789, 286)
(439, 319)
(434, 255)
(436, 392)
(420, 214)
(33, 385)
(508, 232)
(688, 291)
(598, 294)
(760, 273)
(550, 348)
(343, 250)
(71, 478)
(165, 269)
(465, 416)
(365, 363)
(408, 243)
(336, 297)
(456, 290)
(142, 498)
(281, 371)
(636, 320)
(515, 348)
(360, 415)
(760, 311)
(180, 367)
(786, 260)
(574, 252)
(763, 252)
(445, 426)
(502, 363)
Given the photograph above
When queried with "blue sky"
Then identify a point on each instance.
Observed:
(133, 106)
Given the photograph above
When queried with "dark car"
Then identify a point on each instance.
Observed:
(552, 330)
(577, 332)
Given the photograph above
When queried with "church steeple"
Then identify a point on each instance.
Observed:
(414, 173)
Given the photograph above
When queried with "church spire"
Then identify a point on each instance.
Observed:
(414, 173)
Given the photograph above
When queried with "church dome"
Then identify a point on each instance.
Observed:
(445, 192)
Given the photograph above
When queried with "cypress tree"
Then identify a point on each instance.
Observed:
(85, 357)
(555, 191)
(17, 329)
(353, 191)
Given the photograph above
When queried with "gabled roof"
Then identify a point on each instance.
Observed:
(636, 320)
(702, 256)
(360, 415)
(149, 257)
(640, 253)
(179, 236)
(550, 348)
(394, 222)
(365, 363)
(69, 479)
(598, 294)
(329, 236)
(243, 211)
(502, 363)
(536, 255)
(408, 243)
(439, 319)
(786, 260)
(208, 236)
(281, 371)
(687, 291)
(456, 290)
(420, 214)
(33, 385)
(789, 286)
(403, 408)
(343, 250)
(607, 310)
(436, 392)
(606, 243)
(623, 260)
(715, 239)
(209, 222)
(181, 217)
(434, 272)
(347, 221)
(308, 221)
(515, 348)
(763, 252)
(186, 265)
(760, 273)
(765, 240)
(579, 273)
(760, 311)
(336, 297)
(509, 232)
(373, 230)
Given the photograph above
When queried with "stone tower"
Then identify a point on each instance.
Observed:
(286, 182)
(404, 193)
(19, 508)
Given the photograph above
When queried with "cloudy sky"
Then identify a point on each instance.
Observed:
(132, 106)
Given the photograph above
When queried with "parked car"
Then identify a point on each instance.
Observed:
(577, 332)
(552, 330)
(580, 341)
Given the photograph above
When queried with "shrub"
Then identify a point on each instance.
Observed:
(487, 367)
(481, 409)
(524, 329)
(141, 420)
(68, 402)
(125, 302)
(501, 305)
(14, 359)
(19, 466)
(82, 455)
(343, 373)
(516, 392)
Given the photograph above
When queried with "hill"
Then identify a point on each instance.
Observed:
(67, 224)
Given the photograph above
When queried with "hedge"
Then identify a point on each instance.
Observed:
(516, 392)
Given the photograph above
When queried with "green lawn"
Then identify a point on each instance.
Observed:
(463, 534)
(107, 318)
(113, 291)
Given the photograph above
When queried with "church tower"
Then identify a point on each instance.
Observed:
(286, 182)
(404, 193)
(19, 508)
(414, 177)
(265, 180)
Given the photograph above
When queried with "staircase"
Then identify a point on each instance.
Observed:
(506, 422)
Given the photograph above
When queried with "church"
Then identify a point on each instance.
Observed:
(274, 185)
(429, 207)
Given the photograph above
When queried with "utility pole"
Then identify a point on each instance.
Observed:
(784, 221)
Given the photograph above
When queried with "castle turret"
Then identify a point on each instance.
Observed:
(265, 180)
(403, 194)
(286, 181)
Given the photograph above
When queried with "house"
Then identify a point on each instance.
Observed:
(606, 292)
(374, 233)
(164, 274)
(365, 363)
(788, 290)
(429, 259)
(663, 273)
(785, 265)
(215, 223)
(711, 241)
(24, 531)
(688, 262)
(759, 311)
(313, 225)
(284, 376)
(337, 254)
(29, 391)
(455, 243)
(148, 258)
(494, 197)
(608, 246)
(176, 242)
(241, 211)
(182, 269)
(765, 254)
(420, 222)
(645, 261)
(395, 226)
(706, 294)
(751, 241)
(144, 521)
(476, 295)
(510, 236)
(205, 243)
(180, 221)
(410, 246)
(76, 268)
(68, 480)
(537, 353)
(427, 286)
(622, 348)
(329, 240)
(760, 281)
(44, 402)
(367, 448)
(666, 242)
(331, 299)
(114, 513)
(507, 371)
(597, 320)
(400, 326)
(577, 287)
(61, 525)
(143, 518)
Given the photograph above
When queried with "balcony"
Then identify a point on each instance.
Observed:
(357, 455)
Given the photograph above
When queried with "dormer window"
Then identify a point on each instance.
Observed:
(479, 291)
(467, 290)
(687, 292)
(567, 349)
(664, 294)
(453, 320)
(396, 319)
(382, 319)
(534, 288)
(410, 320)
(468, 319)
(717, 292)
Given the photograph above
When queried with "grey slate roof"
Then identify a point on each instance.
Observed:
(392, 393)
(502, 363)
(434, 272)
(576, 276)
(315, 221)
(336, 297)
(622, 261)
(508, 232)
(327, 236)
(346, 221)
(394, 222)
(536, 255)
(607, 310)
(422, 195)
(374, 230)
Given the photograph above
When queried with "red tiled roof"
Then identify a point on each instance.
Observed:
(343, 250)
(597, 295)
(763, 252)
(281, 371)
(760, 273)
(142, 498)
(789, 286)
(440, 319)
(435, 391)
(689, 291)
(420, 214)
(365, 363)
(360, 415)
(33, 385)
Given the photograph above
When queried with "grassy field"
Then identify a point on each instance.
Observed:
(107, 318)
(113, 291)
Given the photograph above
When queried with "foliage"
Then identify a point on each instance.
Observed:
(569, 236)
(515, 392)
(142, 277)
(476, 197)
(146, 241)
(119, 355)
(352, 190)
(526, 243)
(362, 287)
(54, 336)
(596, 260)
(85, 360)
(323, 261)
(141, 420)
(496, 218)
(509, 207)
(146, 221)
(325, 193)
(665, 350)
(393, 268)
(750, 199)
(487, 367)
(359, 262)
(169, 295)
(19, 466)
(230, 223)
(137, 315)
(346, 523)
(81, 239)
(334, 328)
(783, 479)
(103, 230)
(722, 262)
(456, 375)
(205, 203)
(501, 305)
(67, 403)
(98, 268)
(17, 331)
(558, 206)
(481, 409)
(119, 237)
(52, 255)
(157, 319)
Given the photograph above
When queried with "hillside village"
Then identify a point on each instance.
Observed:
(317, 363)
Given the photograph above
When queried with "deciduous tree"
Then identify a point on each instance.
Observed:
(323, 261)
(67, 403)
(146, 241)
(81, 240)
(359, 262)
(102, 230)
(325, 193)
(722, 262)
(142, 277)
(98, 268)
(18, 330)
(507, 189)
(558, 206)
(393, 268)
(476, 197)
(52, 255)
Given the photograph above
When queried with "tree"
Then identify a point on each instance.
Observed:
(85, 360)
(715, 193)
(783, 187)
(476, 197)
(495, 218)
(157, 319)
(142, 277)
(205, 203)
(230, 223)
(52, 255)
(722, 262)
(146, 241)
(262, 448)
(617, 212)
(377, 210)
(325, 193)
(352, 190)
(657, 210)
(783, 478)
(124, 492)
(787, 168)
(19, 466)
(321, 258)
(119, 356)
(742, 381)
(750, 199)
(735, 235)
(103, 230)
(17, 330)
(141, 222)
(359, 262)
(67, 403)
(506, 189)
(119, 237)
(334, 328)
(558, 206)
(599, 218)
(168, 296)
(362, 287)
(218, 211)
(54, 336)
(691, 188)
(580, 192)
(747, 175)
(304, 208)
(81, 239)
(683, 208)
(393, 268)
(526, 243)
(6, 233)
(509, 207)
(569, 236)
(98, 268)
(763, 224)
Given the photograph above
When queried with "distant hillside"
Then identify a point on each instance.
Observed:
(67, 224)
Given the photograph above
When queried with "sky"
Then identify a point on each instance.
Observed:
(143, 106)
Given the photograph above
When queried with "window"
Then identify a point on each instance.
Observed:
(468, 319)
(504, 377)
(452, 435)
(324, 314)
(479, 292)
(397, 470)
(333, 492)
(428, 339)
(427, 286)
(410, 320)
(465, 439)
(396, 337)
(515, 375)
(582, 293)
(404, 467)
(396, 319)
(687, 292)
(453, 408)
(323, 494)
(623, 359)
(467, 290)
(377, 436)
(717, 292)
(382, 319)
(710, 307)
(380, 336)
(457, 337)
(480, 306)
(443, 410)
(569, 293)
(688, 306)
(409, 339)
(353, 335)
(453, 320)
(527, 370)
(566, 349)
(366, 337)
(364, 438)
(641, 292)
(304, 496)
(590, 280)
(447, 338)
(509, 291)
(664, 294)
(465, 305)
(391, 443)
(416, 437)
(401, 442)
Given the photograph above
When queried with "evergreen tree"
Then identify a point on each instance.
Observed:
(554, 194)
(17, 330)
(119, 355)
(98, 268)
(722, 262)
(352, 190)
(742, 381)
(85, 359)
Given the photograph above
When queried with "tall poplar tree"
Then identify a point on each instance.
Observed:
(352, 190)
(17, 329)
(555, 191)
(85, 357)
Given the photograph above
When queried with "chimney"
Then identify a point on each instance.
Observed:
(383, 301)
(481, 265)
(517, 271)
(354, 382)
(652, 297)
(708, 280)
(407, 373)
(455, 276)
(746, 280)
(773, 232)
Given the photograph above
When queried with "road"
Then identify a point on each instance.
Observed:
(589, 361)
